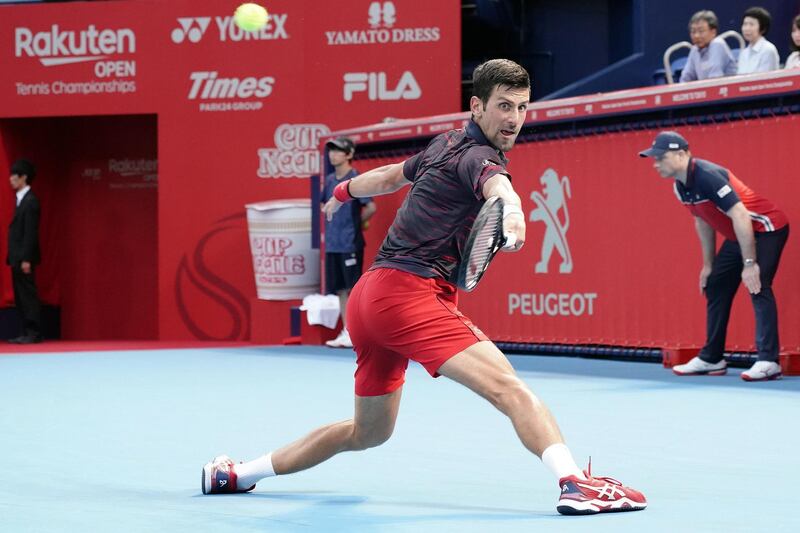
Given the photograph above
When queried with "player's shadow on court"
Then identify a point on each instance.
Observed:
(352, 511)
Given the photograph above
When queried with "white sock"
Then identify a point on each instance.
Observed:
(558, 459)
(251, 472)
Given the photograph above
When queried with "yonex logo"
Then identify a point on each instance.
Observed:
(223, 482)
(382, 14)
(192, 28)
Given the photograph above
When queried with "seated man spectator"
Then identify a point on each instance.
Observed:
(760, 54)
(710, 56)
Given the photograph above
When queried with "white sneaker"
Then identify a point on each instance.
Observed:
(342, 341)
(698, 367)
(219, 477)
(763, 371)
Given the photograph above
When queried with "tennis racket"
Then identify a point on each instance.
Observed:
(484, 241)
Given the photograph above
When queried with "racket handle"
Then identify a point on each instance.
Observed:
(510, 240)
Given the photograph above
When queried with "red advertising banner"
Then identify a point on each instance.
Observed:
(239, 118)
(611, 256)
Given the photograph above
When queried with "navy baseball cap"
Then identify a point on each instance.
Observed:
(345, 144)
(665, 141)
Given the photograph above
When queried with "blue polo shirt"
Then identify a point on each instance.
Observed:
(343, 231)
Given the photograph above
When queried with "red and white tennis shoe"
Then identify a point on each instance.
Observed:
(219, 477)
(597, 495)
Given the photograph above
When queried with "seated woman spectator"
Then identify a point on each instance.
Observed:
(793, 61)
(760, 54)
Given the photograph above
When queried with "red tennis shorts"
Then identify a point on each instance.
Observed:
(394, 316)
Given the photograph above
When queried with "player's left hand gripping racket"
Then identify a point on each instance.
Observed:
(484, 241)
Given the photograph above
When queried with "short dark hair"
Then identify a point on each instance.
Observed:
(707, 15)
(795, 24)
(23, 167)
(498, 72)
(762, 16)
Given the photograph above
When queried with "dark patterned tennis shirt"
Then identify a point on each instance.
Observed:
(430, 229)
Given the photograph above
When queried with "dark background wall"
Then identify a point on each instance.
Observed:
(574, 47)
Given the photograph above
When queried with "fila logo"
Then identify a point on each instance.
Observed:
(193, 28)
(375, 85)
(382, 14)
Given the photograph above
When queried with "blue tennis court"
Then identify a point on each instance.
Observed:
(115, 441)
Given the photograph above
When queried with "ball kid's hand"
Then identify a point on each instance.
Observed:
(330, 207)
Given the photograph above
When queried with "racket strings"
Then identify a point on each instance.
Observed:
(483, 249)
(485, 239)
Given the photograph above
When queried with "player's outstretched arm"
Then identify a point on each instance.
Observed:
(513, 218)
(382, 180)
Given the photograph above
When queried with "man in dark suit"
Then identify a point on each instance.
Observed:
(23, 251)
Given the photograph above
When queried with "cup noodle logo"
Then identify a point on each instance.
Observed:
(381, 19)
(295, 153)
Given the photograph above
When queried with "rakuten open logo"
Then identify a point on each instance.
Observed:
(191, 28)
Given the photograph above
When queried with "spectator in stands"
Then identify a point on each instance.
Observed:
(344, 241)
(710, 56)
(755, 233)
(760, 54)
(793, 61)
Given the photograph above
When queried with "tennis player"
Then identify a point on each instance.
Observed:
(405, 307)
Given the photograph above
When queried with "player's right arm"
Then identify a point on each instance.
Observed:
(708, 245)
(382, 180)
(513, 217)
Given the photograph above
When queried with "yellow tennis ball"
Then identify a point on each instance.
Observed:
(250, 17)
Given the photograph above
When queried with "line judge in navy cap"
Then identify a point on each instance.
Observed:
(754, 232)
